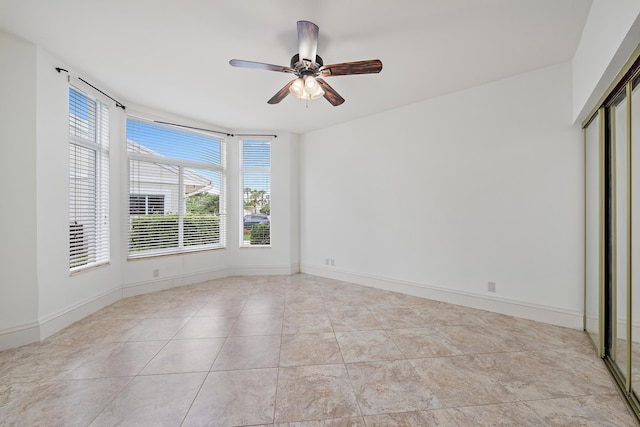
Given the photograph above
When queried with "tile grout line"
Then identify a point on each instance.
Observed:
(275, 396)
(186, 414)
(591, 392)
(167, 343)
(344, 364)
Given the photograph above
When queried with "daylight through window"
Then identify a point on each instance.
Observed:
(176, 189)
(256, 192)
(88, 181)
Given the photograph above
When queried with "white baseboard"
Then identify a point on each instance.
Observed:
(47, 326)
(540, 313)
(622, 330)
(19, 336)
(264, 270)
(161, 284)
(155, 285)
(592, 324)
(53, 323)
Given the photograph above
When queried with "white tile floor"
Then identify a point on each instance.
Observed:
(305, 351)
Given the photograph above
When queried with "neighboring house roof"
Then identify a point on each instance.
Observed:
(194, 182)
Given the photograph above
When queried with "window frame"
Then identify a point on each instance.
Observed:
(98, 247)
(182, 166)
(249, 169)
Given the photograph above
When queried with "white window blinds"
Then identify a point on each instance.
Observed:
(255, 165)
(88, 181)
(176, 189)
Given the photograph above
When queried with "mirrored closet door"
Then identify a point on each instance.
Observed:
(620, 247)
(612, 232)
(635, 235)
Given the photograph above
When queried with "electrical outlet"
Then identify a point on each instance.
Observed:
(333, 262)
(491, 287)
(326, 261)
(156, 273)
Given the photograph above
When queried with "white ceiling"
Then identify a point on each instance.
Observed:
(174, 55)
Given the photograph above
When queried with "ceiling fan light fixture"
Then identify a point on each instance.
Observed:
(318, 93)
(310, 84)
(306, 88)
(297, 88)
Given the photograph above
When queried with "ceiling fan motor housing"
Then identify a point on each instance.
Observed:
(306, 67)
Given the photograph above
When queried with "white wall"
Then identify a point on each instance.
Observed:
(281, 257)
(64, 298)
(440, 197)
(611, 34)
(18, 256)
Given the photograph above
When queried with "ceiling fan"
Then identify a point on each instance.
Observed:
(309, 67)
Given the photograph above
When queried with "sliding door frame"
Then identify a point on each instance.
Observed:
(606, 345)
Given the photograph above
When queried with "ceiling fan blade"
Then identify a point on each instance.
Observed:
(330, 93)
(307, 40)
(282, 93)
(357, 67)
(260, 66)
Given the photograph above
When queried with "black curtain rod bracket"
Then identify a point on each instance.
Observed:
(118, 103)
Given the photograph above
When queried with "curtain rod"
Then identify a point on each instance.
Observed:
(121, 105)
(118, 103)
(212, 131)
(254, 134)
(194, 128)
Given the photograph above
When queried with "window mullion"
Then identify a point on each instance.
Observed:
(83, 142)
(168, 161)
(181, 207)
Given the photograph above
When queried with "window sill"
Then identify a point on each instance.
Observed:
(171, 253)
(78, 270)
